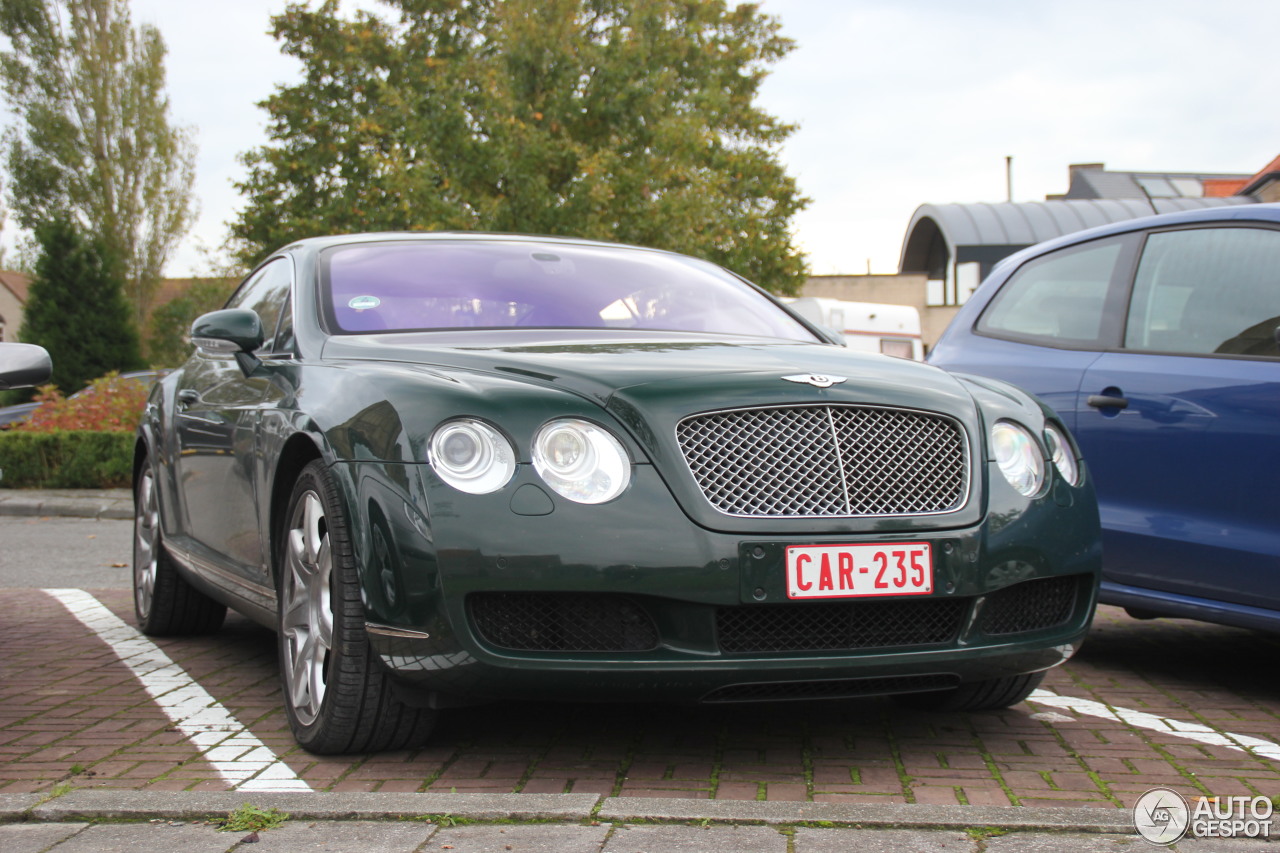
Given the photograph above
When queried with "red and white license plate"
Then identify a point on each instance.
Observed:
(856, 571)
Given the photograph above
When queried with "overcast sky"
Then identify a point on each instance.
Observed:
(899, 102)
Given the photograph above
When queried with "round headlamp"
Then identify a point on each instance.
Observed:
(581, 461)
(1018, 457)
(1064, 459)
(472, 456)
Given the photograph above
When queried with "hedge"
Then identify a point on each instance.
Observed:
(66, 460)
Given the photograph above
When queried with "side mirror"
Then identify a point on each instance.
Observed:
(23, 365)
(228, 331)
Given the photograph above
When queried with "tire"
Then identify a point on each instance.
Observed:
(163, 602)
(989, 695)
(337, 696)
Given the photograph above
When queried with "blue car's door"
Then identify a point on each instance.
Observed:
(1188, 473)
(1181, 427)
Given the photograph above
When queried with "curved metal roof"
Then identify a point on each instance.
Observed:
(1027, 223)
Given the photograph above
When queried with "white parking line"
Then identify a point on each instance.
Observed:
(1164, 725)
(243, 761)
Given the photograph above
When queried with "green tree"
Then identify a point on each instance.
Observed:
(92, 138)
(628, 120)
(75, 308)
(170, 323)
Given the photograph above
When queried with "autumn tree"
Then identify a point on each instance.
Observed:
(75, 307)
(92, 139)
(627, 120)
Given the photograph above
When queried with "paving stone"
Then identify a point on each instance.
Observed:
(1063, 842)
(513, 838)
(35, 837)
(882, 841)
(339, 837)
(1225, 845)
(133, 838)
(696, 839)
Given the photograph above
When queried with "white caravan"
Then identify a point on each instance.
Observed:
(866, 326)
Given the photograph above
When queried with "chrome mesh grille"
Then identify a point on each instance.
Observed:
(825, 461)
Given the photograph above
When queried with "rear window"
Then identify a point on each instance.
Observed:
(440, 285)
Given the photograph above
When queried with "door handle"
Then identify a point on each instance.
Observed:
(1103, 401)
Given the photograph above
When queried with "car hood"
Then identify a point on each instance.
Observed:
(604, 366)
(649, 383)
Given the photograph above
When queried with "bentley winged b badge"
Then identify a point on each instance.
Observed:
(817, 380)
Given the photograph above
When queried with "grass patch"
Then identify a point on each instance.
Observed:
(250, 818)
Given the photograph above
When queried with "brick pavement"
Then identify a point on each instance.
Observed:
(70, 714)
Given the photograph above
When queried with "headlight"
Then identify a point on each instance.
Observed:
(581, 461)
(1018, 457)
(472, 456)
(1063, 457)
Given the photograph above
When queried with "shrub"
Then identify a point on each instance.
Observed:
(65, 460)
(110, 404)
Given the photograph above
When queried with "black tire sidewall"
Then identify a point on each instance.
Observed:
(347, 670)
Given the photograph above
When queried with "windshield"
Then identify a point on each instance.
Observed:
(420, 286)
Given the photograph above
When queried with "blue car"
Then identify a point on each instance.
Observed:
(1157, 340)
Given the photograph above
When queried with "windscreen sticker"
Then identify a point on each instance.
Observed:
(364, 303)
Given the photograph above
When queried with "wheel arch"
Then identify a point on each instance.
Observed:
(142, 442)
(298, 452)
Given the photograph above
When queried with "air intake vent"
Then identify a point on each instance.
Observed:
(562, 622)
(1030, 606)
(834, 627)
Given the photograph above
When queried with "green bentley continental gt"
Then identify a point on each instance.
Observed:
(461, 468)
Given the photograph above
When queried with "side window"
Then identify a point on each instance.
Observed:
(284, 334)
(1058, 299)
(1207, 291)
(267, 293)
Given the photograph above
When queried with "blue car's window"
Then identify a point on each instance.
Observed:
(1057, 299)
(1207, 291)
(409, 286)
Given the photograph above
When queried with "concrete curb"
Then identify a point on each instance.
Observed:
(127, 805)
(868, 814)
(71, 503)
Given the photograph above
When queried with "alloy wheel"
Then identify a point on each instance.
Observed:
(146, 543)
(306, 615)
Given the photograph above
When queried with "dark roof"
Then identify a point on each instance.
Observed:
(1020, 224)
(1093, 181)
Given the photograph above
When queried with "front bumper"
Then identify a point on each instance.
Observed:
(784, 661)
(483, 602)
